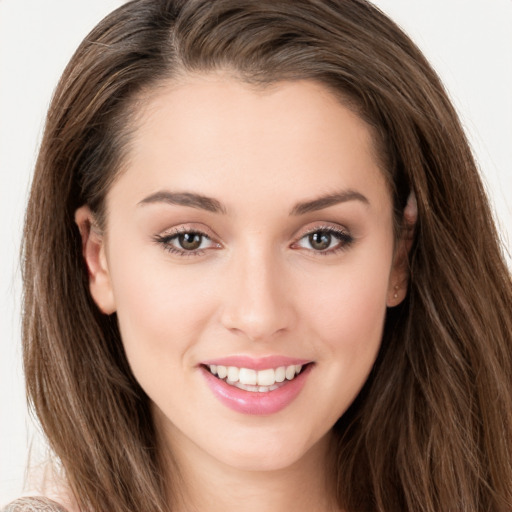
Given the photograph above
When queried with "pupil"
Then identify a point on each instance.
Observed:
(320, 240)
(190, 241)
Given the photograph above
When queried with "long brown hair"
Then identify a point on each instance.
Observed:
(432, 428)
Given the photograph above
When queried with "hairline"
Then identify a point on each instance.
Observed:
(137, 109)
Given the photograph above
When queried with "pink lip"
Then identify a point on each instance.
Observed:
(249, 402)
(261, 363)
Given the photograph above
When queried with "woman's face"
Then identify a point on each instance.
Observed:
(250, 233)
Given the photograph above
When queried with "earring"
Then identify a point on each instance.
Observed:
(396, 288)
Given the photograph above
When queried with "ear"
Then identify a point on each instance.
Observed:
(399, 277)
(93, 251)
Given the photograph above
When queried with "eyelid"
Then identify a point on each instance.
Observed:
(344, 236)
(191, 227)
(341, 233)
(322, 226)
(164, 238)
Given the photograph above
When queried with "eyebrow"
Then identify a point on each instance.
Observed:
(213, 205)
(328, 200)
(185, 199)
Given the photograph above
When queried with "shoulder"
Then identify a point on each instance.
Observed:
(33, 504)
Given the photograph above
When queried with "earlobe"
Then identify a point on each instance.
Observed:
(399, 278)
(93, 251)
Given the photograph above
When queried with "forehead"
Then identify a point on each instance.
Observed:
(213, 132)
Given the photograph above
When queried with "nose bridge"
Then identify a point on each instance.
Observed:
(258, 305)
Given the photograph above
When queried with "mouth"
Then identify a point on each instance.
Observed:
(256, 385)
(256, 381)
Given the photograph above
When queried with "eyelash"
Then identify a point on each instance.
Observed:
(344, 238)
(166, 242)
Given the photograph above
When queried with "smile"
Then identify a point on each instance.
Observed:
(258, 381)
(256, 386)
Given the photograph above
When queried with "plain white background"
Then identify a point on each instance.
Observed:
(469, 42)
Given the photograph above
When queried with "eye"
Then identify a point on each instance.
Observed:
(189, 241)
(186, 243)
(326, 240)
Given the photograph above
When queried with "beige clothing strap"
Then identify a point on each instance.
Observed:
(38, 504)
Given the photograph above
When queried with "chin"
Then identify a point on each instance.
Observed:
(270, 453)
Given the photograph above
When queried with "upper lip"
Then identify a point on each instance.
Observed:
(256, 363)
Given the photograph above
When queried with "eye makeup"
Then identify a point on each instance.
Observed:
(186, 241)
(325, 240)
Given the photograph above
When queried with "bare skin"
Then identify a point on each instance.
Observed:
(294, 256)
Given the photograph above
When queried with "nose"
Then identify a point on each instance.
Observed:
(257, 303)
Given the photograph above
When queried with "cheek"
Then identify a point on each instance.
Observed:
(352, 294)
(158, 307)
(347, 315)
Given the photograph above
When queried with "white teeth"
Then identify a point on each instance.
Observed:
(247, 377)
(254, 389)
(222, 371)
(266, 377)
(290, 372)
(280, 374)
(233, 373)
(258, 381)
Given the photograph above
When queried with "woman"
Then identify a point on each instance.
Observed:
(260, 270)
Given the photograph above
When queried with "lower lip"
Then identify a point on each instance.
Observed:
(249, 402)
